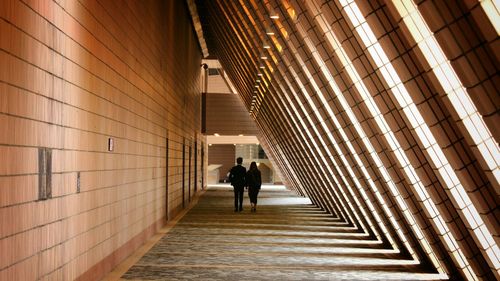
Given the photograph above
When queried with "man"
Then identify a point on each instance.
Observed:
(237, 179)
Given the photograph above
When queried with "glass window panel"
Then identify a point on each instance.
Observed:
(491, 9)
(440, 226)
(423, 137)
(482, 239)
(430, 208)
(442, 72)
(414, 30)
(387, 76)
(375, 56)
(485, 152)
(410, 115)
(464, 196)
(482, 130)
(472, 130)
(369, 33)
(447, 178)
(457, 197)
(357, 12)
(459, 108)
(351, 15)
(469, 217)
(427, 51)
(494, 254)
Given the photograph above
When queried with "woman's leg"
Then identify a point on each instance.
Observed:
(250, 197)
(255, 198)
(251, 194)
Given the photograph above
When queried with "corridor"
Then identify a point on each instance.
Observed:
(286, 239)
(374, 124)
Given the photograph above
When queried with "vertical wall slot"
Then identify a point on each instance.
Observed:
(44, 173)
(77, 182)
(111, 144)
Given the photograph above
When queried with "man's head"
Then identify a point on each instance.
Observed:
(239, 160)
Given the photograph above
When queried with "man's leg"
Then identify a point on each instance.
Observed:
(236, 196)
(242, 190)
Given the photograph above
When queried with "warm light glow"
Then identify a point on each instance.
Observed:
(267, 47)
(470, 117)
(491, 9)
(275, 17)
(409, 109)
(263, 57)
(217, 135)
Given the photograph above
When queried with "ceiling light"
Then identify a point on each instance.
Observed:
(259, 74)
(275, 17)
(256, 86)
(209, 144)
(270, 33)
(240, 135)
(217, 135)
(258, 80)
(263, 57)
(267, 47)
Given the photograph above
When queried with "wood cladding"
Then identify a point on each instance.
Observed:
(222, 154)
(226, 115)
(74, 74)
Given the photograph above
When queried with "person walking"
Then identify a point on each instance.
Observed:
(253, 181)
(237, 179)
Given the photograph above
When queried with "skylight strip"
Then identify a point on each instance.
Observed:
(336, 46)
(392, 78)
(343, 177)
(380, 121)
(468, 114)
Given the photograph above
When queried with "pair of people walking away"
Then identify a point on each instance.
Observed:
(239, 178)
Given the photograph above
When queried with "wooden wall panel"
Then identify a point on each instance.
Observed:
(72, 75)
(226, 115)
(222, 154)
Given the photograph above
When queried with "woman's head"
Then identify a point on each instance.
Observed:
(253, 166)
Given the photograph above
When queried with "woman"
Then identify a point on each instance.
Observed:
(253, 182)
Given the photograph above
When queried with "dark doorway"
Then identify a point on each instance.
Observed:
(166, 180)
(183, 172)
(189, 173)
(195, 166)
(201, 165)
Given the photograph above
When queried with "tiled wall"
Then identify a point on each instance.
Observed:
(226, 115)
(384, 113)
(222, 154)
(72, 75)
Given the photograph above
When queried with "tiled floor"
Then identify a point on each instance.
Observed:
(286, 239)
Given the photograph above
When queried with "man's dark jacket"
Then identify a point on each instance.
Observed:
(237, 176)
